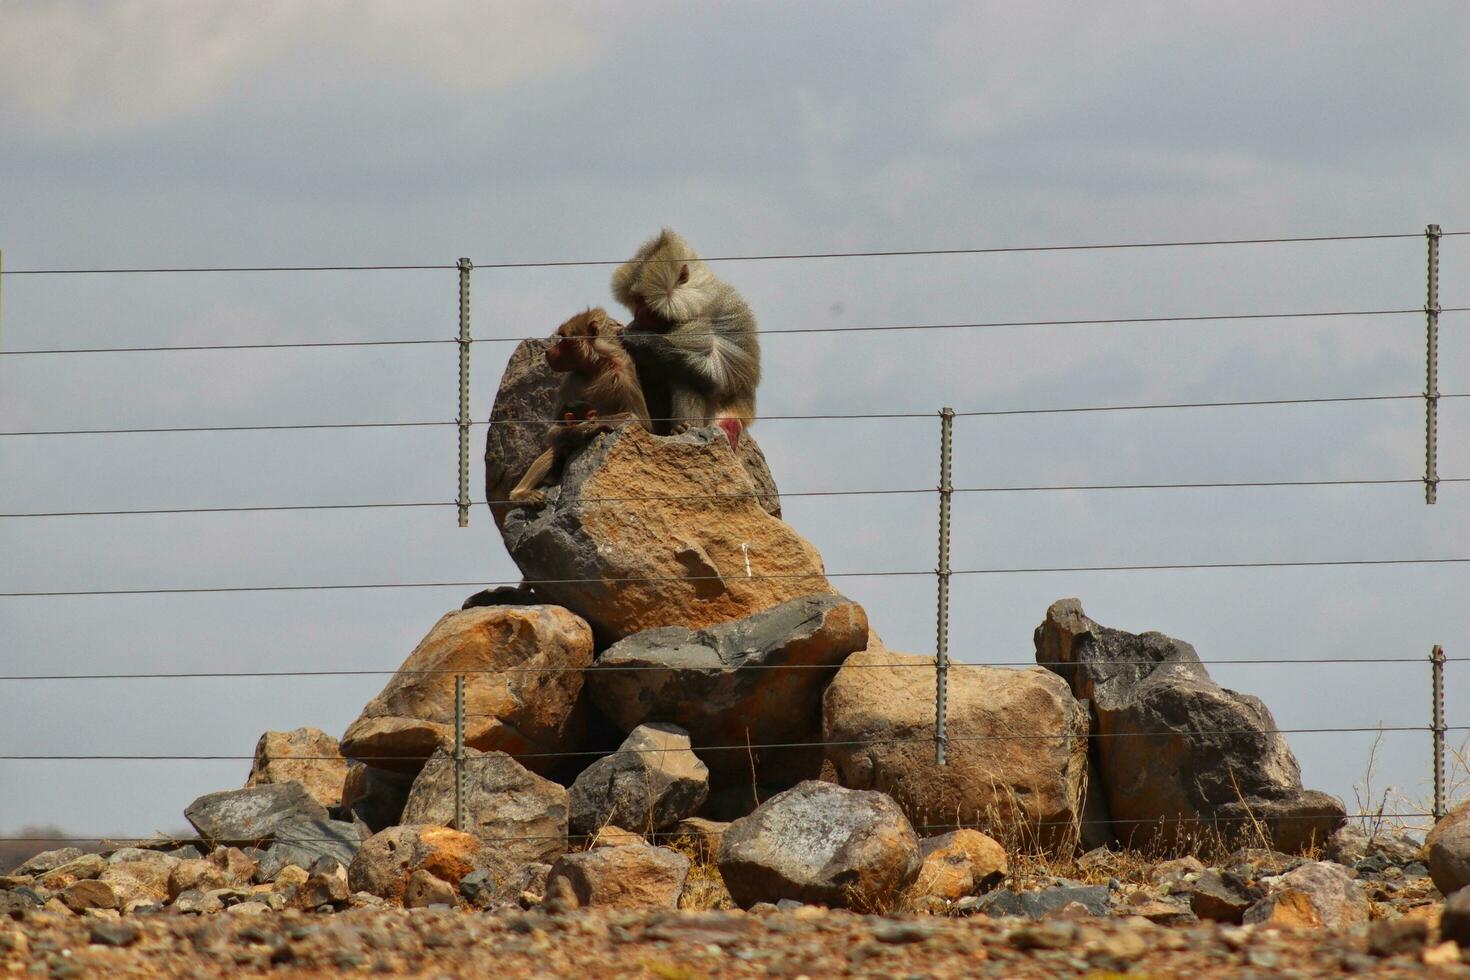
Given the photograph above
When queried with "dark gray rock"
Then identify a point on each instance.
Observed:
(18, 903)
(650, 783)
(479, 889)
(242, 817)
(1177, 752)
(821, 844)
(303, 842)
(1455, 921)
(1222, 896)
(39, 864)
(724, 686)
(520, 815)
(375, 796)
(527, 394)
(1034, 905)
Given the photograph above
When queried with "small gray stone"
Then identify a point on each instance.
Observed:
(303, 841)
(196, 902)
(249, 816)
(904, 931)
(39, 864)
(1455, 922)
(18, 904)
(113, 934)
(1033, 905)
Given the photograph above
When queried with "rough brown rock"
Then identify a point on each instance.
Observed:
(424, 890)
(1319, 894)
(325, 884)
(1448, 845)
(521, 817)
(631, 876)
(706, 556)
(1017, 751)
(388, 859)
(1177, 752)
(138, 881)
(84, 867)
(527, 395)
(821, 844)
(89, 893)
(510, 706)
(752, 681)
(307, 755)
(611, 835)
(960, 863)
(706, 835)
(197, 875)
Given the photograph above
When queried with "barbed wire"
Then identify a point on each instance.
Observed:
(1019, 570)
(743, 747)
(876, 253)
(750, 494)
(826, 417)
(764, 332)
(751, 578)
(636, 668)
(1171, 823)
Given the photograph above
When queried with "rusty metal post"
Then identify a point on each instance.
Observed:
(1431, 369)
(459, 752)
(1436, 670)
(465, 265)
(941, 645)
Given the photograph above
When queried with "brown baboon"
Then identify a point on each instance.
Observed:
(599, 391)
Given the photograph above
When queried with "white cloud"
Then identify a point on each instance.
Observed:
(80, 70)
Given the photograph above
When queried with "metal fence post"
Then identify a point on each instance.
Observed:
(465, 265)
(1431, 368)
(459, 752)
(941, 645)
(1436, 670)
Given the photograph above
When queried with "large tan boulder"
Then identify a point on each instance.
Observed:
(527, 398)
(705, 552)
(307, 755)
(511, 705)
(1017, 751)
(1448, 846)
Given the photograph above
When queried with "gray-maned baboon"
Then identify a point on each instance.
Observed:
(692, 337)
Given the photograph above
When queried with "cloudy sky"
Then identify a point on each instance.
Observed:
(194, 133)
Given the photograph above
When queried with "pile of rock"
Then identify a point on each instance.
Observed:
(681, 667)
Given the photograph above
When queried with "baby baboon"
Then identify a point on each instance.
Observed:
(692, 337)
(600, 390)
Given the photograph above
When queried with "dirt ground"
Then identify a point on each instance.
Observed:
(808, 941)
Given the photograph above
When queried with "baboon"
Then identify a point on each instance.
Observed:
(692, 337)
(598, 392)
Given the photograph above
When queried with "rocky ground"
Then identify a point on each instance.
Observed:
(806, 941)
(1114, 913)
